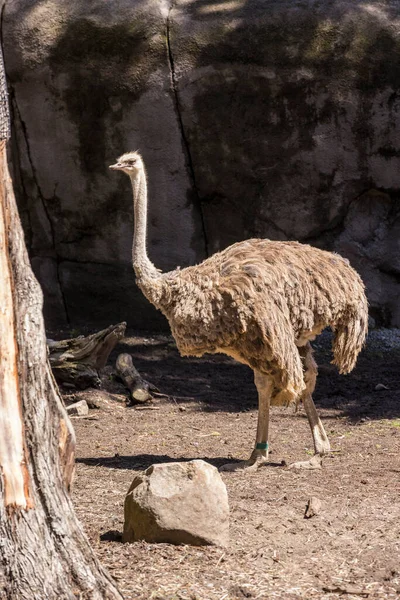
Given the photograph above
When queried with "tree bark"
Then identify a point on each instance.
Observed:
(43, 551)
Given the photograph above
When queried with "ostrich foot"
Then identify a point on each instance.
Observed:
(314, 463)
(256, 460)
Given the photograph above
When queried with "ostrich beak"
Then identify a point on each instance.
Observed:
(115, 167)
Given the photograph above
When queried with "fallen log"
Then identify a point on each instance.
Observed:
(139, 388)
(78, 360)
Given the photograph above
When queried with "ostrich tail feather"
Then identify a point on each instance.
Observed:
(349, 338)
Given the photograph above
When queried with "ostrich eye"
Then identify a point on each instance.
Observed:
(131, 161)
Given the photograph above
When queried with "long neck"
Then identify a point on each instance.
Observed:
(143, 267)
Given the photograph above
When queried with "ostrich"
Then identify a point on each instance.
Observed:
(260, 302)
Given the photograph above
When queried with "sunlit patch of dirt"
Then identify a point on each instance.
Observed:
(350, 549)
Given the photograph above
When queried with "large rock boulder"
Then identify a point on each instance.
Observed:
(179, 503)
(291, 111)
(255, 118)
(89, 81)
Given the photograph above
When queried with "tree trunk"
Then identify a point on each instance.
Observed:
(43, 551)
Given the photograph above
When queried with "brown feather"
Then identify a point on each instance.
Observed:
(258, 301)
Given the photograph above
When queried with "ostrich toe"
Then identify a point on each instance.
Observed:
(256, 460)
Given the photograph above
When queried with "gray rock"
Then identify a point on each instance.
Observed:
(281, 123)
(78, 409)
(99, 400)
(179, 503)
(277, 111)
(88, 83)
(313, 507)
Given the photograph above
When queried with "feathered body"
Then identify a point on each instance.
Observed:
(258, 301)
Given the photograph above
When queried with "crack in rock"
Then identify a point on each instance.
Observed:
(185, 141)
(39, 194)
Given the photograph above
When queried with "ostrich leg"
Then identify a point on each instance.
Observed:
(259, 456)
(321, 442)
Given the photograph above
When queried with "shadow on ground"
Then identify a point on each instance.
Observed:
(217, 383)
(141, 462)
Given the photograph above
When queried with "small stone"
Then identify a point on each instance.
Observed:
(79, 409)
(315, 462)
(313, 507)
(178, 503)
(240, 592)
(100, 400)
(380, 387)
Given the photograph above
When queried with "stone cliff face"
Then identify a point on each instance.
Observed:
(263, 118)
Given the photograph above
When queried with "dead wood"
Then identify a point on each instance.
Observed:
(139, 388)
(79, 360)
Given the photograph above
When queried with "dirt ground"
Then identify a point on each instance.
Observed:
(351, 549)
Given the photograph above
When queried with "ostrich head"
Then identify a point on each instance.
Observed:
(130, 163)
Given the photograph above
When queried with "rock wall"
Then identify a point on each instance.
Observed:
(269, 118)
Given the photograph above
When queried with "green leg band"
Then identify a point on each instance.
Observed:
(262, 446)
